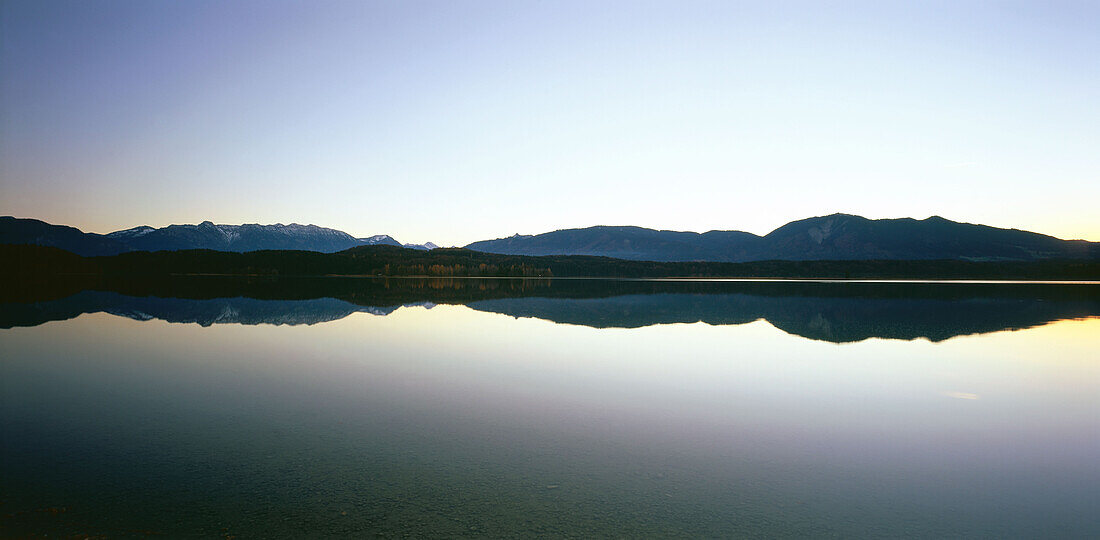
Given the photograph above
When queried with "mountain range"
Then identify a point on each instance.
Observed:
(205, 235)
(833, 237)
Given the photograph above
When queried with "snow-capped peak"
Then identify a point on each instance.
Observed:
(423, 247)
(132, 233)
(379, 239)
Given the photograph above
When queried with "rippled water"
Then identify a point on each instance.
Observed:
(551, 408)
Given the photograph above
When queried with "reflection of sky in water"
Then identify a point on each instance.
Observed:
(989, 433)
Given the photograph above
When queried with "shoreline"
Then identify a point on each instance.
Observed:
(669, 279)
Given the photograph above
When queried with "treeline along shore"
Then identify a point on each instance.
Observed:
(39, 261)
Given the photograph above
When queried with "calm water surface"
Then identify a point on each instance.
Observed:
(553, 410)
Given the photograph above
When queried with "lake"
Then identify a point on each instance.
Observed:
(223, 408)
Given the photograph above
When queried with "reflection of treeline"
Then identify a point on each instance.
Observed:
(833, 311)
(393, 291)
(447, 284)
(395, 261)
(461, 270)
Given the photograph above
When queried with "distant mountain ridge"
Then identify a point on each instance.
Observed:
(423, 247)
(634, 243)
(833, 237)
(379, 240)
(39, 233)
(249, 237)
(205, 235)
(387, 240)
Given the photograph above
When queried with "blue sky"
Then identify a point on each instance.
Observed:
(459, 121)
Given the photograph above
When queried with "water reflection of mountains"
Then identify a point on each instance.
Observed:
(836, 312)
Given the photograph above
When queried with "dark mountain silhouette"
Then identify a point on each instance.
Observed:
(842, 236)
(250, 237)
(835, 237)
(835, 312)
(205, 235)
(40, 233)
(634, 243)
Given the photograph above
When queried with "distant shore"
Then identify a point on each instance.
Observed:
(388, 261)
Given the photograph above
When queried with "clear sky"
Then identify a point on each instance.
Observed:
(457, 121)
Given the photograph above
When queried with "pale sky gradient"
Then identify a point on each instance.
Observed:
(460, 121)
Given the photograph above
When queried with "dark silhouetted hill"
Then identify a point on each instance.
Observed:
(39, 233)
(835, 237)
(847, 237)
(633, 243)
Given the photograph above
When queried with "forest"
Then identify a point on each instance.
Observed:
(27, 261)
